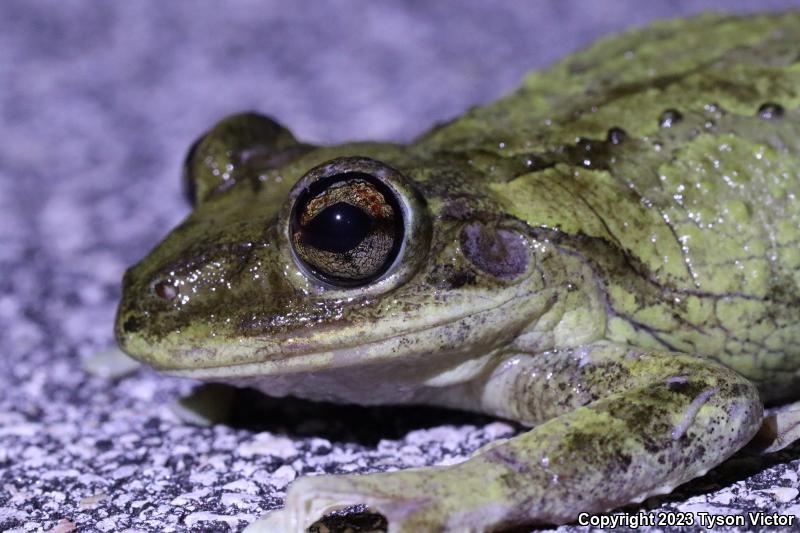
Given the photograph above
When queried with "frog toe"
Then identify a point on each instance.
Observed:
(398, 496)
(409, 501)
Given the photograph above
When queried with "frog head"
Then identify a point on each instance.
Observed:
(299, 258)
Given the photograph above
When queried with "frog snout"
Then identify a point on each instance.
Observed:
(140, 307)
(128, 321)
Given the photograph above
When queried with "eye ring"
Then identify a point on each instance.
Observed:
(350, 223)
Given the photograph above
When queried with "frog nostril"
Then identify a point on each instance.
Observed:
(165, 290)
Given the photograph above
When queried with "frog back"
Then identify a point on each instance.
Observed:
(669, 159)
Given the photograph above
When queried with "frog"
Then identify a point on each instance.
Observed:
(608, 256)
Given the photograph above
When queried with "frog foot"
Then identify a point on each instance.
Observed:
(779, 429)
(409, 500)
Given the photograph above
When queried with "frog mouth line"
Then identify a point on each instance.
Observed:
(352, 355)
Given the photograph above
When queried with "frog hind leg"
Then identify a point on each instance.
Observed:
(612, 425)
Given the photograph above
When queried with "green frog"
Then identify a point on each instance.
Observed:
(608, 255)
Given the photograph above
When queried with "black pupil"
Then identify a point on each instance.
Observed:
(338, 228)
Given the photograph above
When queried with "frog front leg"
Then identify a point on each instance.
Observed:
(613, 424)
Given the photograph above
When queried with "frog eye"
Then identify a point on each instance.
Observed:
(356, 223)
(347, 228)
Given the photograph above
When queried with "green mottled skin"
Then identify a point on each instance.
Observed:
(656, 307)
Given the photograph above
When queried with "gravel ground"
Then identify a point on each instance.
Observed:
(98, 102)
